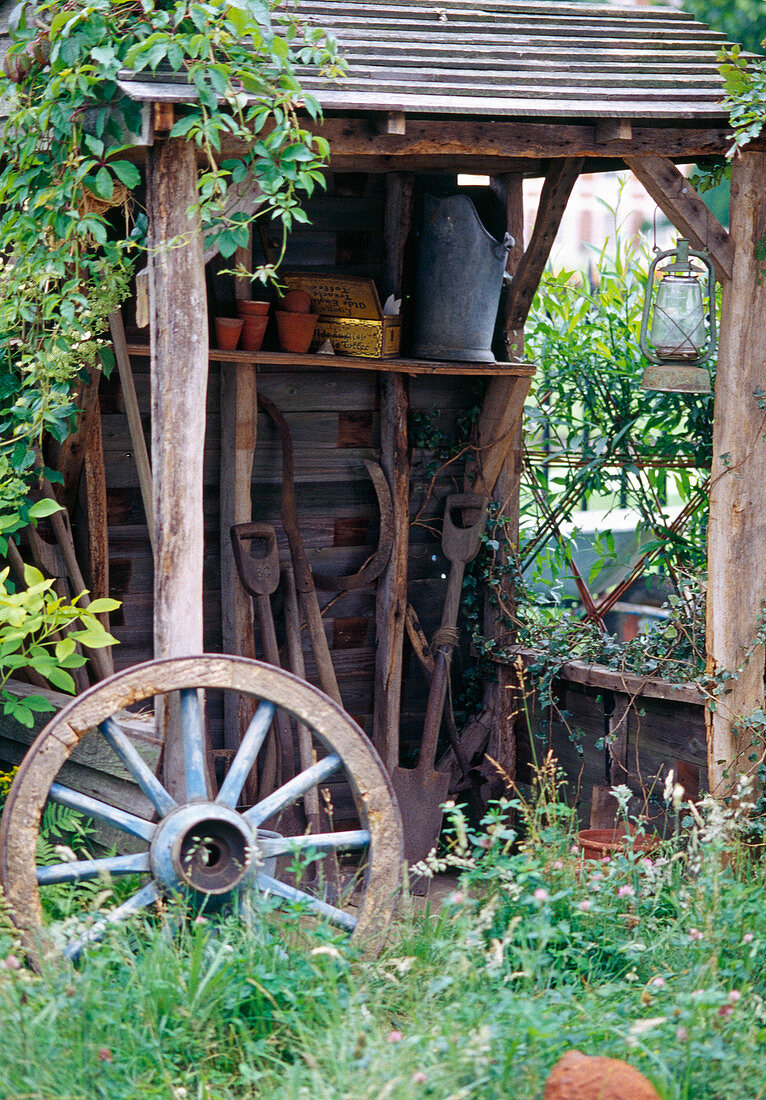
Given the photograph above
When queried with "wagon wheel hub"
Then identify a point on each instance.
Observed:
(205, 846)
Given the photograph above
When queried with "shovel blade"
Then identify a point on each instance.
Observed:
(420, 794)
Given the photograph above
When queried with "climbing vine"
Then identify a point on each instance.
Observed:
(72, 229)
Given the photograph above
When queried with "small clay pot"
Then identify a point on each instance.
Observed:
(296, 330)
(248, 308)
(253, 330)
(227, 332)
(296, 301)
(597, 843)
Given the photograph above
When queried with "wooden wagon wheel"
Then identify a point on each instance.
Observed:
(205, 846)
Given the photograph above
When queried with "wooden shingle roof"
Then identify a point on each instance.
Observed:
(509, 58)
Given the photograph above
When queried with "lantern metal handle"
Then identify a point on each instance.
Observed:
(685, 251)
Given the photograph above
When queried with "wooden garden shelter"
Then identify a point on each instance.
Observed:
(502, 88)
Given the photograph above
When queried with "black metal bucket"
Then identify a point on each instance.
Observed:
(460, 270)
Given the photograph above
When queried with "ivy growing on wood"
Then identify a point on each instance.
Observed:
(71, 232)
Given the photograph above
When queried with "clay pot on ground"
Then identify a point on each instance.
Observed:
(227, 332)
(253, 330)
(248, 308)
(597, 843)
(296, 330)
(579, 1076)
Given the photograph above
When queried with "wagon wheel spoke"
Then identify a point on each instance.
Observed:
(145, 896)
(246, 755)
(81, 869)
(268, 885)
(322, 842)
(102, 811)
(292, 790)
(161, 799)
(193, 737)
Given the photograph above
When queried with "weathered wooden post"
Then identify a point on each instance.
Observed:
(179, 370)
(737, 526)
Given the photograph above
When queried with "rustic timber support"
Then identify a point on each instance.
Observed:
(239, 414)
(681, 204)
(737, 526)
(391, 596)
(504, 401)
(179, 370)
(500, 424)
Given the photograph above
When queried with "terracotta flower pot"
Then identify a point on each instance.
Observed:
(597, 843)
(247, 308)
(296, 301)
(227, 332)
(253, 329)
(296, 331)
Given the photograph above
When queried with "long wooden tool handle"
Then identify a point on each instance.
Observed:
(445, 642)
(102, 662)
(271, 651)
(304, 580)
(135, 426)
(306, 753)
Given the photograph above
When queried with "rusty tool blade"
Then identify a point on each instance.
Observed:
(421, 791)
(259, 571)
(374, 565)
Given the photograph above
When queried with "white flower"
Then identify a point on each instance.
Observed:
(327, 949)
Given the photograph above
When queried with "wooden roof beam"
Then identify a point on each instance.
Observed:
(678, 200)
(488, 138)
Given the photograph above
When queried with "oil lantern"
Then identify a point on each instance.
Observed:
(678, 323)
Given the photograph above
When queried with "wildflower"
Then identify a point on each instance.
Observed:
(327, 949)
(199, 919)
(557, 865)
(419, 1077)
(606, 859)
(641, 1027)
(574, 850)
(104, 1054)
(584, 905)
(394, 1037)
(626, 892)
(457, 897)
(622, 794)
(540, 894)
(734, 996)
(725, 1010)
(748, 937)
(10, 962)
(658, 982)
(695, 934)
(647, 863)
(682, 1034)
(673, 792)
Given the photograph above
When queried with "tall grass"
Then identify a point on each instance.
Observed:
(656, 960)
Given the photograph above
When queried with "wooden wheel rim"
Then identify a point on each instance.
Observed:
(336, 731)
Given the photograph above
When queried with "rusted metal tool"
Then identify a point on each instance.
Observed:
(375, 565)
(257, 560)
(421, 791)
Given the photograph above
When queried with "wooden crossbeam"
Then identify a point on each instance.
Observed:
(557, 188)
(681, 204)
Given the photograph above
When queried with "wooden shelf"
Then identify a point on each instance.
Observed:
(349, 362)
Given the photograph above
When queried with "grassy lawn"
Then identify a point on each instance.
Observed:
(659, 961)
